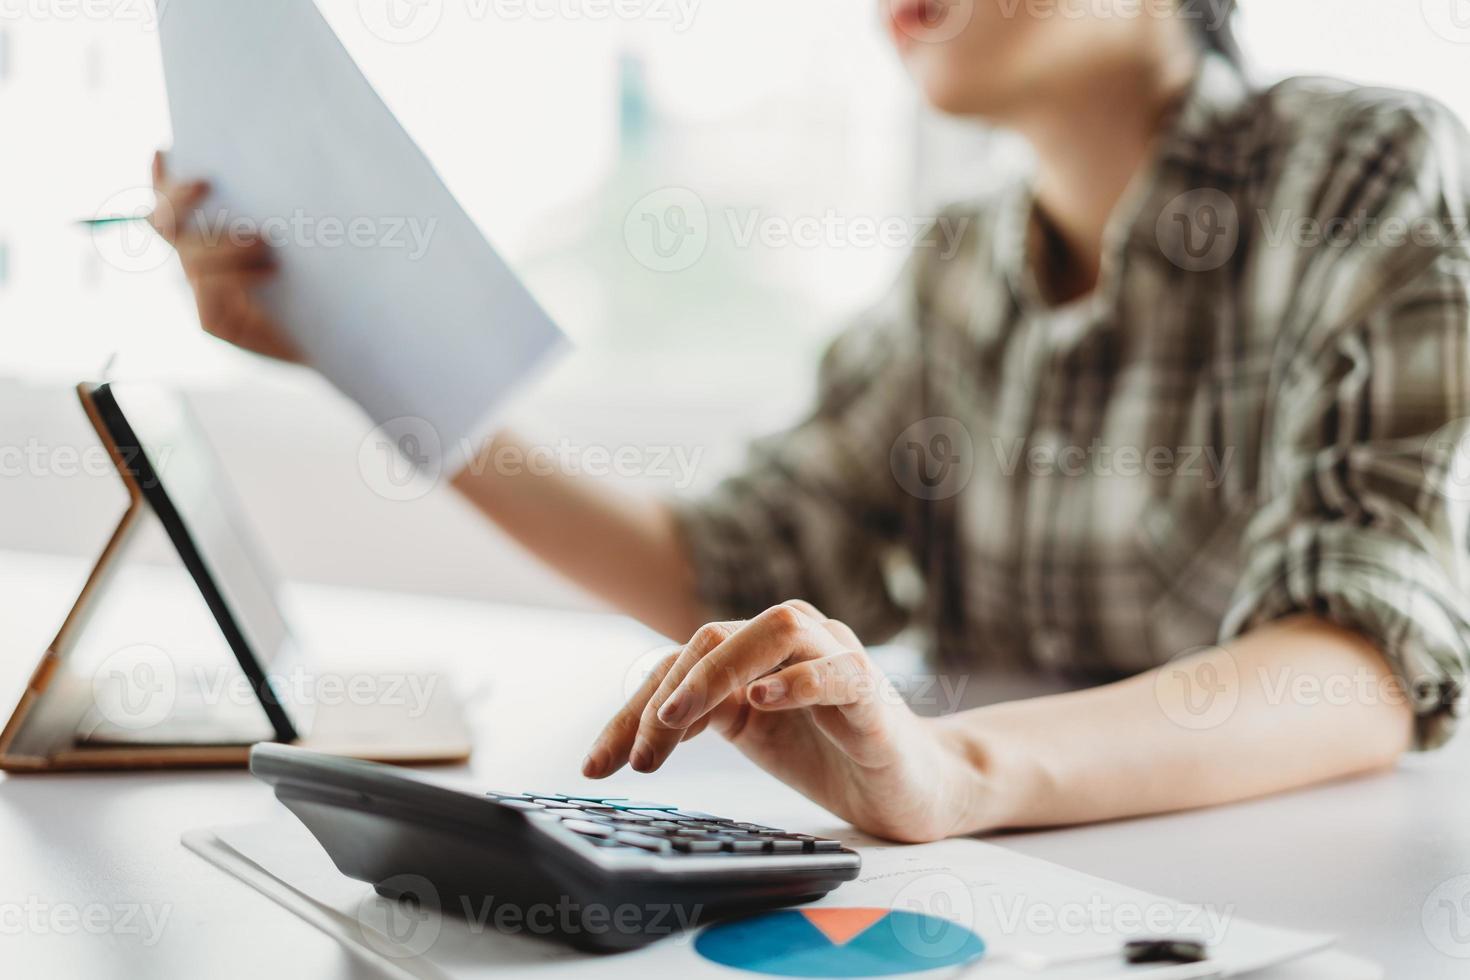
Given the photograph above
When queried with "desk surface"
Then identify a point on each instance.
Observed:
(95, 882)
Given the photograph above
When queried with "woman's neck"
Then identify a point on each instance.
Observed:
(1089, 145)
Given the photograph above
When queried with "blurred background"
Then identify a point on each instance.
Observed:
(787, 128)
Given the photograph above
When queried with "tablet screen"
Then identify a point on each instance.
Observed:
(172, 461)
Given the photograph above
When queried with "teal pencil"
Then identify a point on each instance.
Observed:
(114, 220)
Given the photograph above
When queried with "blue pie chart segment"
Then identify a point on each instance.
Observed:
(839, 942)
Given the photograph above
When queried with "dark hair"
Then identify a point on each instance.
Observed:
(1212, 21)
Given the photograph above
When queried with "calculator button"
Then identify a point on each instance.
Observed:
(652, 812)
(643, 841)
(618, 823)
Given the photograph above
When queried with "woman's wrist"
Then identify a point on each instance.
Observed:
(996, 784)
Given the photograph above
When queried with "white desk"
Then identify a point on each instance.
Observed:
(102, 852)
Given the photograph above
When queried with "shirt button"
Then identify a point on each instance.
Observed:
(1044, 453)
(1046, 439)
(1051, 648)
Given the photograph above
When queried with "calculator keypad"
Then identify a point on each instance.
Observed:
(658, 828)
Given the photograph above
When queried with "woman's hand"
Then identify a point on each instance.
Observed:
(222, 269)
(797, 694)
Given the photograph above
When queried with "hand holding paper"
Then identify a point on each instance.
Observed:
(384, 284)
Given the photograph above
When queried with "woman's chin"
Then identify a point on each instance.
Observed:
(949, 95)
(945, 85)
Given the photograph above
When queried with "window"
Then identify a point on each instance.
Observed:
(588, 145)
(789, 124)
(551, 126)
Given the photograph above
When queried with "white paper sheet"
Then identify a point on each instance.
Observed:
(1028, 912)
(386, 285)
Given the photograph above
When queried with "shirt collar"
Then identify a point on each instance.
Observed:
(1212, 106)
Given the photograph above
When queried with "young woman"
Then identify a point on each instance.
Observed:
(1180, 416)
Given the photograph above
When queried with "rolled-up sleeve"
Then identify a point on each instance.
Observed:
(1365, 516)
(816, 512)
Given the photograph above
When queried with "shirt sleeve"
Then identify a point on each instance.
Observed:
(816, 513)
(1364, 513)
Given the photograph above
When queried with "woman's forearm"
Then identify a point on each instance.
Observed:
(623, 548)
(1293, 703)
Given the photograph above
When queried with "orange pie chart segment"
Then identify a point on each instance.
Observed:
(842, 926)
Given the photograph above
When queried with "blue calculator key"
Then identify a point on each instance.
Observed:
(640, 805)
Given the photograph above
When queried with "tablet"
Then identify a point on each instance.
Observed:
(161, 448)
(100, 699)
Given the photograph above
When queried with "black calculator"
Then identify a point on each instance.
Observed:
(599, 873)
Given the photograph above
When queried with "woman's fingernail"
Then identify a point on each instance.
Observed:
(769, 692)
(592, 765)
(672, 712)
(641, 758)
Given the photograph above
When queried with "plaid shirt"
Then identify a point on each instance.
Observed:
(1259, 411)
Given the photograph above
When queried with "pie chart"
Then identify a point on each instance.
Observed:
(839, 942)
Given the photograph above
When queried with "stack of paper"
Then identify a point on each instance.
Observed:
(386, 285)
(1000, 915)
